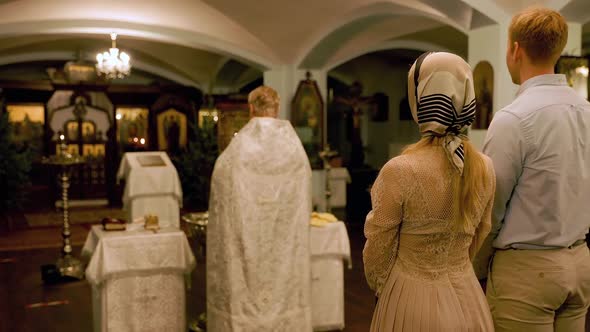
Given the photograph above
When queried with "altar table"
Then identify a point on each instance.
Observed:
(330, 249)
(138, 278)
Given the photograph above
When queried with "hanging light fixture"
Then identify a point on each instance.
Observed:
(113, 64)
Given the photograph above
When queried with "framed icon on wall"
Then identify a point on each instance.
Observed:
(172, 130)
(307, 117)
(483, 82)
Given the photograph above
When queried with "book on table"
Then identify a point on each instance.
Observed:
(111, 224)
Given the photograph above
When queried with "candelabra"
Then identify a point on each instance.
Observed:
(67, 264)
(326, 155)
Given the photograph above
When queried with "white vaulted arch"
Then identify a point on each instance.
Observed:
(366, 15)
(193, 24)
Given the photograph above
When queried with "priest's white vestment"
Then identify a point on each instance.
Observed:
(258, 265)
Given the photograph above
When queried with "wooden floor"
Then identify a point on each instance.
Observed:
(21, 286)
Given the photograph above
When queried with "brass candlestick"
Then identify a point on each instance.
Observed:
(67, 264)
(326, 155)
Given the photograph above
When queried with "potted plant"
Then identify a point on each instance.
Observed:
(195, 166)
(15, 164)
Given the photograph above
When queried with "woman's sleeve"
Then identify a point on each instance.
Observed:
(382, 226)
(481, 247)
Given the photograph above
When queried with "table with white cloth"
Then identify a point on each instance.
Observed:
(152, 186)
(330, 249)
(138, 278)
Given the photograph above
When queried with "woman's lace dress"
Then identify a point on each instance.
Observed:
(415, 258)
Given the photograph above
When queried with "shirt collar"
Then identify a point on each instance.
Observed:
(547, 79)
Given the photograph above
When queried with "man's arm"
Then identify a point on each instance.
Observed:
(505, 146)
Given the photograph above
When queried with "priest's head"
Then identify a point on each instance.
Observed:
(536, 38)
(264, 102)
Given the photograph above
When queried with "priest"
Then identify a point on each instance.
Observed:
(258, 265)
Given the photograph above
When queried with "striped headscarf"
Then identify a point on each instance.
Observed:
(443, 85)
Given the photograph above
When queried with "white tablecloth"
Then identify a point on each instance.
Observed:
(152, 190)
(137, 278)
(330, 248)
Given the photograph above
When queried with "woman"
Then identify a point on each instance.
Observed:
(431, 211)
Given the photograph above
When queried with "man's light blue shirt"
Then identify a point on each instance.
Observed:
(540, 147)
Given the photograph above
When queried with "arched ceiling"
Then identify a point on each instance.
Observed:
(192, 41)
(365, 35)
(148, 56)
(296, 29)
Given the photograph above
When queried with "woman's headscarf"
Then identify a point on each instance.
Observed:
(443, 87)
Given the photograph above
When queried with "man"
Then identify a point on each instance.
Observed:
(539, 276)
(258, 265)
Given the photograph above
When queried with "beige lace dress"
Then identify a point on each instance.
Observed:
(415, 259)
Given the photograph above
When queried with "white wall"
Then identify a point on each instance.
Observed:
(574, 39)
(489, 44)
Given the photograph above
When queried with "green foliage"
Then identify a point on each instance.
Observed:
(195, 166)
(15, 165)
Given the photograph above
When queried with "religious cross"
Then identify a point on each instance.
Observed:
(355, 101)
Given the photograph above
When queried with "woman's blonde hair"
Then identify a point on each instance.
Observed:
(465, 187)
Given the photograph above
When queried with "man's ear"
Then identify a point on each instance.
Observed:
(251, 109)
(517, 51)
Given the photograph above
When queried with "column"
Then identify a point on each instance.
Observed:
(282, 79)
(574, 39)
(285, 80)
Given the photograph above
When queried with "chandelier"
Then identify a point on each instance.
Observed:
(113, 64)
